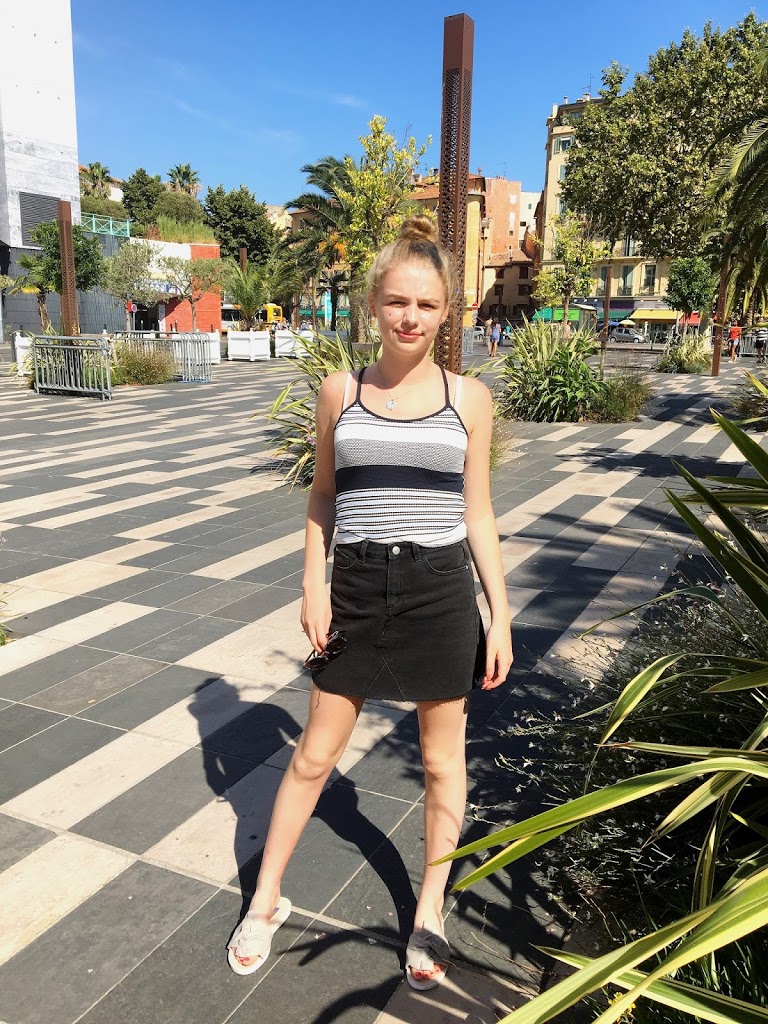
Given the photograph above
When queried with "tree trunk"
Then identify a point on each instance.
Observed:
(127, 316)
(313, 302)
(42, 309)
(566, 322)
(334, 308)
(194, 314)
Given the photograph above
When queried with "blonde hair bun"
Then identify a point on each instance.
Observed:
(419, 228)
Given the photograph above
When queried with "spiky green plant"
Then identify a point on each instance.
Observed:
(729, 898)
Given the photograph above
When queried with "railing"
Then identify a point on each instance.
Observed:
(191, 353)
(624, 289)
(105, 225)
(67, 365)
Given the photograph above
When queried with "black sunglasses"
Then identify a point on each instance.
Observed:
(335, 645)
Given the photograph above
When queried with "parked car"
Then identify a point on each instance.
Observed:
(627, 334)
(478, 333)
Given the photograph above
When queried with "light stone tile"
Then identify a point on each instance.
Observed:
(516, 550)
(513, 522)
(612, 552)
(703, 435)
(732, 455)
(236, 565)
(24, 600)
(125, 552)
(647, 438)
(43, 502)
(78, 577)
(48, 884)
(110, 507)
(26, 651)
(223, 836)
(563, 432)
(241, 489)
(198, 515)
(96, 622)
(610, 512)
(94, 474)
(80, 789)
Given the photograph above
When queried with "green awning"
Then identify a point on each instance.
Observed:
(549, 314)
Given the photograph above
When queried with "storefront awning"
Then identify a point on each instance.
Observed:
(556, 315)
(655, 315)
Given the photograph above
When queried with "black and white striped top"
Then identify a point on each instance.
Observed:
(400, 479)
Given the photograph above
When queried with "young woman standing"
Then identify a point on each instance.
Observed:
(402, 474)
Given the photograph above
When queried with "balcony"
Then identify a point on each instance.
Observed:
(649, 289)
(624, 289)
(105, 225)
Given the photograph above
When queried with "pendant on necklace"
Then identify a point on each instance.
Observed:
(391, 403)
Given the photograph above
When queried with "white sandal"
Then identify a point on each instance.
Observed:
(425, 951)
(253, 938)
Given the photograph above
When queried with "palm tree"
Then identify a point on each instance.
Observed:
(183, 179)
(37, 282)
(335, 282)
(247, 287)
(95, 180)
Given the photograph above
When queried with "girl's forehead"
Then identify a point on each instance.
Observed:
(413, 275)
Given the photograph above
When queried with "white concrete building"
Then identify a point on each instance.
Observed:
(38, 129)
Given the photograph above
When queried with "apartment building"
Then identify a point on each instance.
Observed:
(635, 283)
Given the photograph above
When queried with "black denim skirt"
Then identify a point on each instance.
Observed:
(413, 627)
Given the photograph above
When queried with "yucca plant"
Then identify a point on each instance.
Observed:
(684, 355)
(546, 377)
(729, 898)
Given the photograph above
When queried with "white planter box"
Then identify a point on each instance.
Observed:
(250, 345)
(285, 344)
(215, 339)
(23, 345)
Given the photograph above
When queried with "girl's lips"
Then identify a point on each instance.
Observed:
(403, 334)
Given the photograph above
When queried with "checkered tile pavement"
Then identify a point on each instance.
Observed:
(149, 701)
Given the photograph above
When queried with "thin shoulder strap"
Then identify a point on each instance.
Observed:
(445, 382)
(457, 392)
(359, 383)
(345, 403)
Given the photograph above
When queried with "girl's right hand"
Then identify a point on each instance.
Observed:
(316, 616)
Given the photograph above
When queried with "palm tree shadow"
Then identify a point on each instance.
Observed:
(249, 738)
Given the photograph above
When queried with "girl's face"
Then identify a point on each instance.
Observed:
(410, 304)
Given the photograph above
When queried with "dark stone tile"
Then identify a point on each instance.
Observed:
(126, 590)
(195, 559)
(23, 682)
(18, 839)
(95, 684)
(153, 559)
(154, 807)
(187, 980)
(15, 565)
(20, 722)
(267, 726)
(149, 697)
(328, 975)
(186, 639)
(542, 569)
(34, 760)
(274, 571)
(554, 608)
(217, 596)
(346, 829)
(54, 615)
(393, 767)
(581, 580)
(77, 961)
(531, 642)
(257, 605)
(134, 634)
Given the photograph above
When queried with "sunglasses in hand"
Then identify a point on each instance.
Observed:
(335, 645)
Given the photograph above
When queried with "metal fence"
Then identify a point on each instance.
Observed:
(66, 365)
(191, 353)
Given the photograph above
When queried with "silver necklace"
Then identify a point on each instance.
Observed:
(391, 402)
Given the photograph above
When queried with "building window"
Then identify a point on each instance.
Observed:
(500, 274)
(602, 280)
(562, 172)
(629, 249)
(562, 207)
(563, 143)
(35, 210)
(522, 273)
(649, 278)
(524, 289)
(498, 289)
(625, 288)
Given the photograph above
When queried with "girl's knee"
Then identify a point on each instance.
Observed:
(312, 764)
(442, 764)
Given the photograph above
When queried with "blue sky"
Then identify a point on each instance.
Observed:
(266, 88)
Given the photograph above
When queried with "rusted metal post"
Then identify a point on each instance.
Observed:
(717, 330)
(70, 320)
(606, 312)
(458, 47)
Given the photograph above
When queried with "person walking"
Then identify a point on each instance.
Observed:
(488, 329)
(761, 340)
(495, 338)
(402, 474)
(734, 340)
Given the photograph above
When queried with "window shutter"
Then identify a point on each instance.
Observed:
(35, 210)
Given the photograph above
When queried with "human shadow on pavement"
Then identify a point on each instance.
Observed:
(233, 751)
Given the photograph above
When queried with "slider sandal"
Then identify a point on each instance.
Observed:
(253, 938)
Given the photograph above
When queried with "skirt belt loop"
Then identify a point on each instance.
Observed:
(363, 549)
(416, 549)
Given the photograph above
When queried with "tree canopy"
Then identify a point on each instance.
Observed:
(178, 206)
(191, 279)
(140, 193)
(642, 159)
(89, 262)
(575, 251)
(128, 274)
(238, 219)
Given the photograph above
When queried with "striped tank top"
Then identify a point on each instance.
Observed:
(400, 479)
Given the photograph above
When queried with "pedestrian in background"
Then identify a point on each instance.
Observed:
(495, 338)
(734, 341)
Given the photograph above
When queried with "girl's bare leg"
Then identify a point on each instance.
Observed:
(331, 721)
(442, 730)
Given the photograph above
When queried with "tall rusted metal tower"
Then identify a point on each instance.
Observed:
(458, 47)
(70, 319)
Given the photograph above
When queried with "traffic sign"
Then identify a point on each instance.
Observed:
(474, 305)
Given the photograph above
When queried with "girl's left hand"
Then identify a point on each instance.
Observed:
(499, 656)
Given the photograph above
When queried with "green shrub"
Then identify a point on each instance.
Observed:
(103, 207)
(684, 355)
(546, 378)
(750, 403)
(172, 230)
(722, 771)
(135, 367)
(623, 396)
